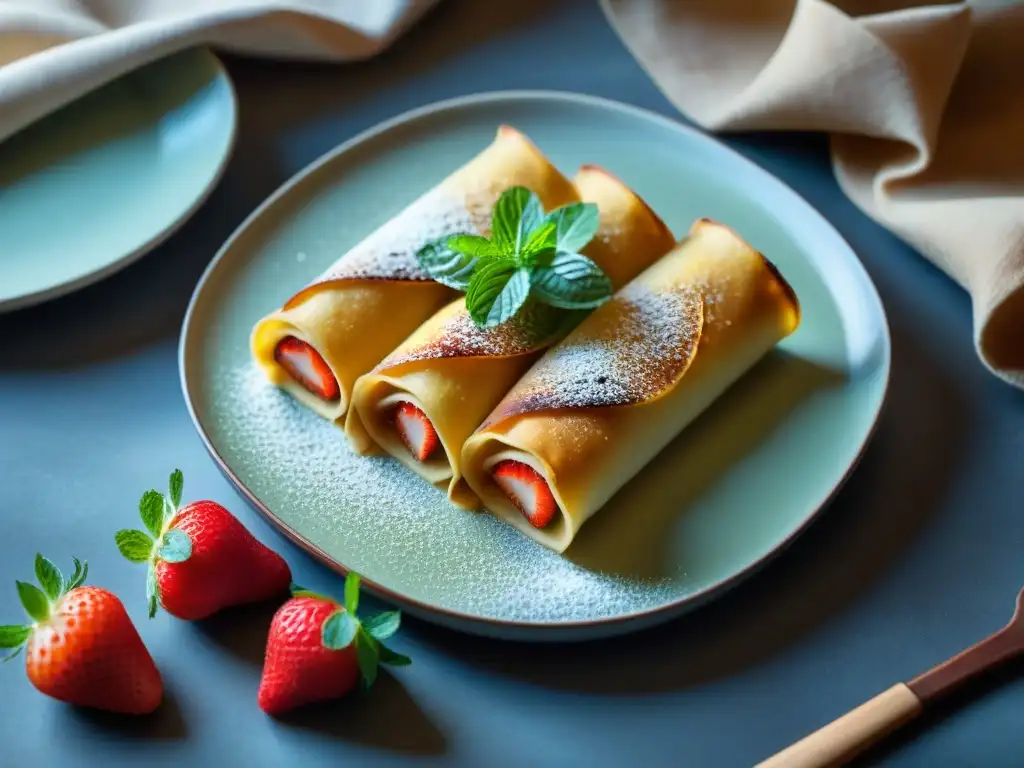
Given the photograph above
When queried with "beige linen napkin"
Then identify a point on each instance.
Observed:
(924, 104)
(53, 51)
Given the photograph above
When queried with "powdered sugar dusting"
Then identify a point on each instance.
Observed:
(631, 349)
(389, 252)
(372, 514)
(535, 327)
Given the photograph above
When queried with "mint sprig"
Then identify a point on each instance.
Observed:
(343, 628)
(530, 255)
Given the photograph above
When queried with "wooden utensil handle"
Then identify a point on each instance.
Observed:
(843, 739)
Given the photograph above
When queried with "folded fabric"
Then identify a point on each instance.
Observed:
(53, 51)
(924, 104)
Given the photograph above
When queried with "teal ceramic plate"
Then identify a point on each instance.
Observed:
(730, 492)
(94, 186)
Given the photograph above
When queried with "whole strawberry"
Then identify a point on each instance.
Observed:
(317, 649)
(81, 647)
(201, 558)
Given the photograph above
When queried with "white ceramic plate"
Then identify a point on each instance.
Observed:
(733, 489)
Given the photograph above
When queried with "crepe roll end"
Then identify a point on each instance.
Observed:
(518, 489)
(509, 137)
(386, 418)
(775, 285)
(293, 362)
(595, 182)
(506, 131)
(630, 236)
(400, 424)
(426, 453)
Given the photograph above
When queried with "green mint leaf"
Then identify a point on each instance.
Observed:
(383, 625)
(49, 577)
(473, 245)
(389, 657)
(151, 591)
(134, 545)
(542, 239)
(175, 547)
(496, 293)
(151, 510)
(34, 600)
(535, 259)
(14, 635)
(446, 266)
(352, 592)
(515, 215)
(575, 225)
(511, 298)
(368, 656)
(177, 483)
(339, 630)
(487, 282)
(572, 281)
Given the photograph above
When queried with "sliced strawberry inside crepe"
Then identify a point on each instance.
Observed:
(416, 431)
(528, 490)
(307, 367)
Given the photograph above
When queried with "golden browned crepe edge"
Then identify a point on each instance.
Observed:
(481, 222)
(514, 405)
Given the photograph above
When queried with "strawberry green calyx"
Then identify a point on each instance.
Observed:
(159, 541)
(39, 601)
(343, 628)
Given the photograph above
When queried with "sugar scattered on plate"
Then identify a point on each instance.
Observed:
(373, 515)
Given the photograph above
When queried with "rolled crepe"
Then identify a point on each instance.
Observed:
(375, 295)
(456, 373)
(602, 403)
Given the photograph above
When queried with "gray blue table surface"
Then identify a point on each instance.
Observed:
(920, 555)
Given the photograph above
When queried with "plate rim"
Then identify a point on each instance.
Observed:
(66, 287)
(516, 629)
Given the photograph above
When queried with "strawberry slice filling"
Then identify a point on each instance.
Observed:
(416, 431)
(528, 490)
(307, 367)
